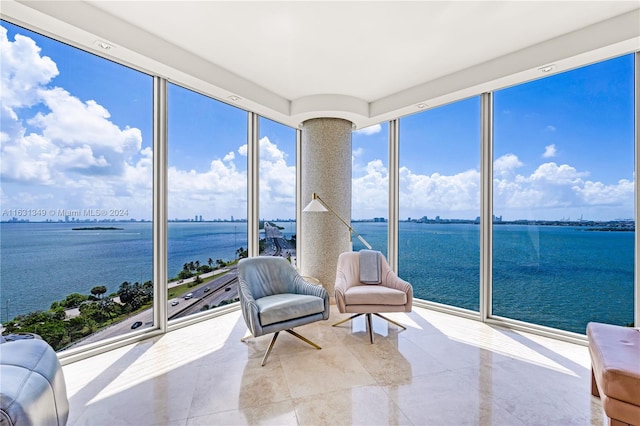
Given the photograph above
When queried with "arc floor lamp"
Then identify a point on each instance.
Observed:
(317, 204)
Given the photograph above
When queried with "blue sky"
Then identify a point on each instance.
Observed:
(76, 134)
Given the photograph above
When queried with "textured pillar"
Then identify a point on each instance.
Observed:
(326, 170)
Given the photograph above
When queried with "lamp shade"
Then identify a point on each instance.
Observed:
(315, 206)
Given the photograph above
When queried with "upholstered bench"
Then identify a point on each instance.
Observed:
(615, 371)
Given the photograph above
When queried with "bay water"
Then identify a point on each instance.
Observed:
(558, 276)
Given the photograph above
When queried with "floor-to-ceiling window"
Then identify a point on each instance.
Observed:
(277, 189)
(207, 200)
(439, 177)
(76, 196)
(370, 186)
(563, 192)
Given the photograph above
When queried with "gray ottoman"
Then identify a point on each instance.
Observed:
(32, 387)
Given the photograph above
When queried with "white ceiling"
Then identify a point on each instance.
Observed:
(365, 61)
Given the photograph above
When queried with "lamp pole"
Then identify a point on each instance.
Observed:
(315, 198)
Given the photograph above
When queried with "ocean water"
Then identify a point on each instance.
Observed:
(561, 277)
(44, 262)
(557, 276)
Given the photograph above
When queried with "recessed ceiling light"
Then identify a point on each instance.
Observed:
(234, 98)
(547, 68)
(421, 105)
(104, 45)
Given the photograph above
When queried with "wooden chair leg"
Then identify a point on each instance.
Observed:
(594, 385)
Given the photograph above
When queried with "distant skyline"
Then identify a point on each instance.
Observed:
(76, 134)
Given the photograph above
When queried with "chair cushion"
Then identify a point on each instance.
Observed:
(287, 306)
(374, 295)
(615, 358)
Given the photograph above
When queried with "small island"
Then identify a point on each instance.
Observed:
(98, 228)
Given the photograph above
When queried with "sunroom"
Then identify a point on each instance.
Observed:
(487, 149)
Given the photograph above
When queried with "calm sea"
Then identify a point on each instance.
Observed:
(561, 277)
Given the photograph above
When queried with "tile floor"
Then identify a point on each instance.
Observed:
(442, 370)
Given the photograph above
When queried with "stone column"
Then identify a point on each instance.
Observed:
(326, 170)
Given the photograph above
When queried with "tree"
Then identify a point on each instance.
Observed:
(242, 253)
(210, 262)
(99, 291)
(184, 274)
(73, 300)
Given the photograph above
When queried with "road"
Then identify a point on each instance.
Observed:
(216, 293)
(222, 288)
(276, 244)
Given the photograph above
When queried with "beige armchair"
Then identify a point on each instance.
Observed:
(382, 291)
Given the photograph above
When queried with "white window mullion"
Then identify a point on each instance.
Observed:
(160, 200)
(486, 203)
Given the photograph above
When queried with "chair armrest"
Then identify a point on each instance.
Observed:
(392, 280)
(303, 287)
(340, 289)
(250, 310)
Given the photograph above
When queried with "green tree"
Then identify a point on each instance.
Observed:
(99, 291)
(184, 274)
(242, 253)
(73, 300)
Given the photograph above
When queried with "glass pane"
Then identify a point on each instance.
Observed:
(563, 243)
(277, 190)
(207, 201)
(76, 177)
(370, 186)
(439, 234)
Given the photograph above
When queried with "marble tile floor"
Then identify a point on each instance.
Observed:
(442, 370)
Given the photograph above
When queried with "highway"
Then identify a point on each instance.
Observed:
(216, 293)
(276, 244)
(211, 293)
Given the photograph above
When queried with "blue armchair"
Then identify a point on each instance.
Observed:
(274, 297)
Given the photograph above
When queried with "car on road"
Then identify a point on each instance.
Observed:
(136, 325)
(174, 303)
(206, 289)
(188, 296)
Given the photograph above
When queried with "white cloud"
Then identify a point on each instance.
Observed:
(455, 196)
(277, 182)
(371, 130)
(24, 72)
(549, 151)
(371, 192)
(506, 164)
(551, 128)
(221, 191)
(67, 148)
